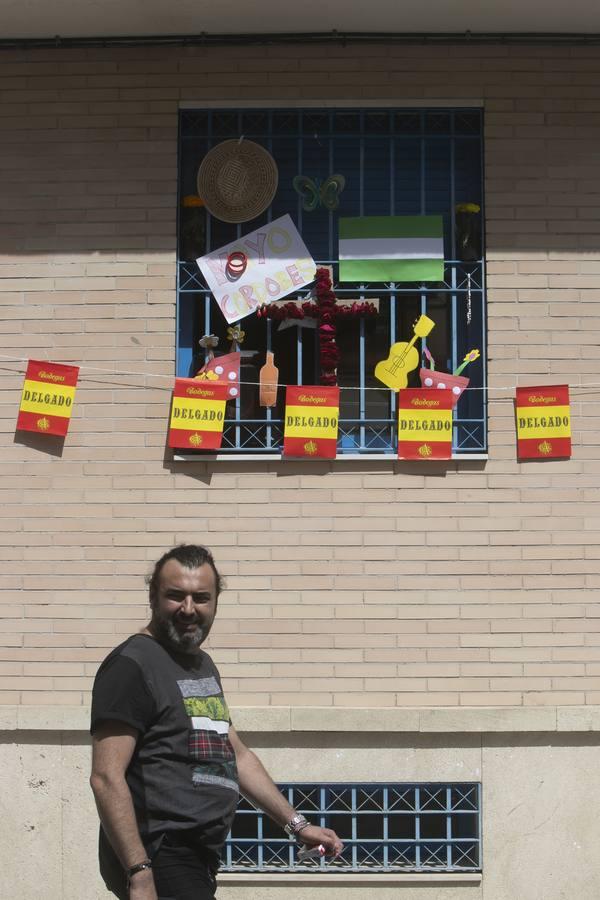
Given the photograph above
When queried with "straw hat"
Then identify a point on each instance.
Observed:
(237, 180)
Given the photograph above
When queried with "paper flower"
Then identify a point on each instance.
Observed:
(209, 341)
(471, 356)
(192, 200)
(235, 334)
(467, 208)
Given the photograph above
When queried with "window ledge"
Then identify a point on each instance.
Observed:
(347, 879)
(277, 457)
(315, 719)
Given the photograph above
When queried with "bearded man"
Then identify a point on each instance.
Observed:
(167, 763)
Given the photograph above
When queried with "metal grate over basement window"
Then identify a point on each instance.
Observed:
(385, 828)
(396, 162)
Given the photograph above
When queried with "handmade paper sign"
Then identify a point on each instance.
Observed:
(197, 414)
(311, 421)
(278, 264)
(392, 248)
(543, 422)
(424, 424)
(47, 398)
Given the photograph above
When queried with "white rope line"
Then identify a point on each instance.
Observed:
(511, 387)
(26, 359)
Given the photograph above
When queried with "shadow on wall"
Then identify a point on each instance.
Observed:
(89, 155)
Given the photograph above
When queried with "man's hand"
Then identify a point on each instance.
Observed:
(312, 835)
(257, 785)
(142, 886)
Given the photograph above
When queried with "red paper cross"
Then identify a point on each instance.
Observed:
(325, 310)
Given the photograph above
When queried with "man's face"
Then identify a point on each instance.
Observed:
(184, 607)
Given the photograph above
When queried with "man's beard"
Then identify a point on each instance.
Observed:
(187, 643)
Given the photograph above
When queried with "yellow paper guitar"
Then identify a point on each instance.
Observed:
(403, 358)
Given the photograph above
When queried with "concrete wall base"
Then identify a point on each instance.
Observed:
(541, 829)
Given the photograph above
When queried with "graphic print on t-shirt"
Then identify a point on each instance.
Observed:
(209, 743)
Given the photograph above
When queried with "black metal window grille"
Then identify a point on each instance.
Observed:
(396, 162)
(385, 828)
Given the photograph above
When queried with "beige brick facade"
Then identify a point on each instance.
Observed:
(356, 583)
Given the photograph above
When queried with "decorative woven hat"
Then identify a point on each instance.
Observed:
(237, 180)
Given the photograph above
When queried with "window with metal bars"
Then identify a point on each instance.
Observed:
(395, 162)
(385, 827)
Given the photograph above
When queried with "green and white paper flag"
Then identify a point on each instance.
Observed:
(392, 248)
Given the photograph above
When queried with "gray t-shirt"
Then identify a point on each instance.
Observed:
(183, 774)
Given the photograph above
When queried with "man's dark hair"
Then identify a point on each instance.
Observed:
(190, 556)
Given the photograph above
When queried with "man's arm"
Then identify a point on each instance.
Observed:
(258, 786)
(112, 748)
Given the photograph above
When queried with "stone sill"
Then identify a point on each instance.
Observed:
(349, 879)
(343, 457)
(313, 719)
(326, 104)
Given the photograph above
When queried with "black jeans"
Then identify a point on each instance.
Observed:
(179, 872)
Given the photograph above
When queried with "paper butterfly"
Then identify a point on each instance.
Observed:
(315, 193)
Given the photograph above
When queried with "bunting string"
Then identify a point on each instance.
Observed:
(592, 386)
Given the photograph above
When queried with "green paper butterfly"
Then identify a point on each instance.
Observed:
(315, 192)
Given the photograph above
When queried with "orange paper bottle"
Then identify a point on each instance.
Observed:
(269, 376)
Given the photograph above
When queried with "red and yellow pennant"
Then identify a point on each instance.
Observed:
(197, 414)
(47, 398)
(311, 422)
(424, 424)
(543, 422)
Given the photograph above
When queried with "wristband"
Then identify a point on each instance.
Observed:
(139, 867)
(296, 824)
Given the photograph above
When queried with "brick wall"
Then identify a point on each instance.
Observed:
(351, 584)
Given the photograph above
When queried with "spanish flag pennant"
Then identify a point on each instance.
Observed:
(543, 422)
(197, 414)
(424, 423)
(311, 422)
(47, 398)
